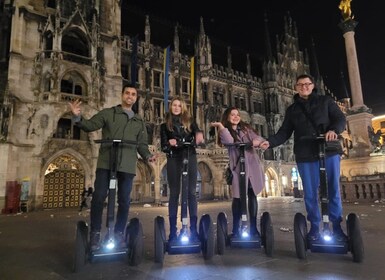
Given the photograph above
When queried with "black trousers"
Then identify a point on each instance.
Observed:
(174, 173)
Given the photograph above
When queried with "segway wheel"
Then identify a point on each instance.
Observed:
(160, 239)
(267, 234)
(221, 233)
(134, 240)
(206, 236)
(81, 246)
(300, 232)
(356, 245)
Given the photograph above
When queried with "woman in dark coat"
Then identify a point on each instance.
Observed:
(179, 126)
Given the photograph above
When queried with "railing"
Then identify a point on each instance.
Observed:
(363, 190)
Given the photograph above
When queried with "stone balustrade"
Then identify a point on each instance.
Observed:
(368, 190)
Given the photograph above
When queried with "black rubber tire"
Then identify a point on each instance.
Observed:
(267, 234)
(81, 246)
(221, 233)
(300, 233)
(206, 236)
(134, 240)
(160, 239)
(356, 245)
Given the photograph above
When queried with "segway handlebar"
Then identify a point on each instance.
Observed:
(184, 144)
(320, 137)
(109, 141)
(239, 145)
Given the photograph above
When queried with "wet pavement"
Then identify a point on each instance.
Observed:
(40, 245)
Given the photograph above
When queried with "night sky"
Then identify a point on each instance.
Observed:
(242, 27)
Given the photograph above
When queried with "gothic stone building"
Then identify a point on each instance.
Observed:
(54, 51)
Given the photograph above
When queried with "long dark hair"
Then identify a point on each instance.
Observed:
(242, 125)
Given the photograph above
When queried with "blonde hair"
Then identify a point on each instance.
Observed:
(185, 116)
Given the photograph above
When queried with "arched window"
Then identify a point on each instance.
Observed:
(74, 42)
(66, 130)
(73, 83)
(75, 47)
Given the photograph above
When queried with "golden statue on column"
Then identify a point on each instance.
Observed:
(345, 9)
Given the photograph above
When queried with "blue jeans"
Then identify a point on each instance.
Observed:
(102, 180)
(309, 172)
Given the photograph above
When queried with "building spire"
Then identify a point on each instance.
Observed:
(268, 49)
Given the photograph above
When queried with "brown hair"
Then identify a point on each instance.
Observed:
(185, 116)
(242, 125)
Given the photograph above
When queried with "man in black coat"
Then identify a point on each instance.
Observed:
(309, 116)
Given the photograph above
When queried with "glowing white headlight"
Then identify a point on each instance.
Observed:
(327, 237)
(184, 239)
(110, 244)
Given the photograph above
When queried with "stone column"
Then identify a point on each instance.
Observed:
(359, 116)
(348, 27)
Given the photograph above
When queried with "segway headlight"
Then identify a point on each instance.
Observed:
(110, 244)
(245, 234)
(327, 237)
(184, 238)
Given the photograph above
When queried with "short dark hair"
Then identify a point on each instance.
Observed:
(128, 85)
(304, 76)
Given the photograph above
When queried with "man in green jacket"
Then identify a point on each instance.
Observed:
(118, 122)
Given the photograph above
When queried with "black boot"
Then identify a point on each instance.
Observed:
(173, 229)
(236, 209)
(193, 228)
(253, 210)
(95, 240)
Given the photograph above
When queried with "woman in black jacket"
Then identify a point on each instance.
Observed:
(179, 126)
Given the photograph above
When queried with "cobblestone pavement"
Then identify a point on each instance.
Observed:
(40, 245)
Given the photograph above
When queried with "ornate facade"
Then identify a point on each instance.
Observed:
(56, 51)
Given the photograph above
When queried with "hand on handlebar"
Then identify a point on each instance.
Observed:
(173, 142)
(153, 157)
(199, 139)
(331, 135)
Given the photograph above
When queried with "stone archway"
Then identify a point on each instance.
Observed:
(271, 183)
(143, 189)
(64, 181)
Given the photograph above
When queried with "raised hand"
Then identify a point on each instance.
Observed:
(74, 106)
(218, 125)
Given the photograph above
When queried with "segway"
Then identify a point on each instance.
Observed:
(184, 244)
(245, 239)
(133, 232)
(326, 243)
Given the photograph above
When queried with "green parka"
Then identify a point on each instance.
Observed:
(115, 124)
